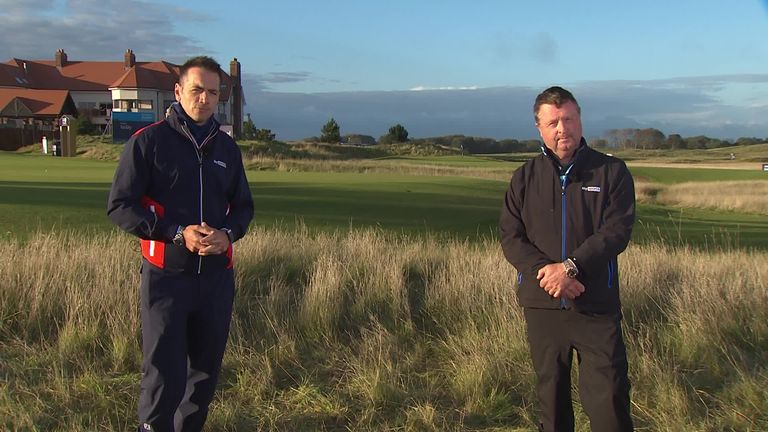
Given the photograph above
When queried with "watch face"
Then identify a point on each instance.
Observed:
(570, 268)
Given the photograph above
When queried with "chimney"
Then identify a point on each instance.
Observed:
(237, 97)
(129, 59)
(61, 58)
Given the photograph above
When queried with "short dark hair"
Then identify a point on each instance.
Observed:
(203, 62)
(554, 95)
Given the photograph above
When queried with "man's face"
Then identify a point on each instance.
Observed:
(198, 93)
(560, 129)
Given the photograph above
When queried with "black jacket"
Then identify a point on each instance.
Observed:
(165, 179)
(590, 220)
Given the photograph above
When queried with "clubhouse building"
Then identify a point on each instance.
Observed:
(117, 96)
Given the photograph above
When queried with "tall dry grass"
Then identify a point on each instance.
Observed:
(363, 330)
(740, 196)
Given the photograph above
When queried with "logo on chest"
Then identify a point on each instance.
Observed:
(590, 188)
(220, 163)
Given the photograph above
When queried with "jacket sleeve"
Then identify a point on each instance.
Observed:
(129, 186)
(240, 202)
(618, 218)
(518, 249)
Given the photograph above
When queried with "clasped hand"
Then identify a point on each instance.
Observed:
(553, 280)
(204, 240)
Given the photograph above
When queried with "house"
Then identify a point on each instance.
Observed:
(19, 105)
(31, 103)
(126, 95)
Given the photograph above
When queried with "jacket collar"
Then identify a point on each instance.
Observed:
(552, 157)
(180, 121)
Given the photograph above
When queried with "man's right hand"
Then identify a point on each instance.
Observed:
(572, 289)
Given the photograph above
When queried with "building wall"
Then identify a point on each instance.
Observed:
(223, 114)
(160, 102)
(159, 99)
(97, 98)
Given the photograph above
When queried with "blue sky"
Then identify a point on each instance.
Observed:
(443, 66)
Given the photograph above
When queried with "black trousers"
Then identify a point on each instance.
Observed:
(184, 328)
(553, 336)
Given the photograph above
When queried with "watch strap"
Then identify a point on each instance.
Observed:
(178, 238)
(230, 234)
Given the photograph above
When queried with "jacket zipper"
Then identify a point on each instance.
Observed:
(610, 274)
(199, 154)
(563, 252)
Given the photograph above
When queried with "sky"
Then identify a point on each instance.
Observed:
(439, 67)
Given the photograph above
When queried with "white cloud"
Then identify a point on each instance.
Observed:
(95, 30)
(688, 106)
(13, 7)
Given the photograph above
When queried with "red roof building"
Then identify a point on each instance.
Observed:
(27, 103)
(97, 88)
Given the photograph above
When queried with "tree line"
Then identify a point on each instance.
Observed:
(650, 138)
(627, 138)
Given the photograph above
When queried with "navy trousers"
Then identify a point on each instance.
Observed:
(553, 336)
(184, 327)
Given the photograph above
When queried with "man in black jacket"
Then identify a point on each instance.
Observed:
(567, 215)
(181, 188)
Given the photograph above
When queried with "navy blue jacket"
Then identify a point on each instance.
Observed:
(165, 179)
(590, 220)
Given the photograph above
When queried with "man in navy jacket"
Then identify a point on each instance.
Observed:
(567, 215)
(181, 188)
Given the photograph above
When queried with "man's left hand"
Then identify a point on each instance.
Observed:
(553, 280)
(215, 243)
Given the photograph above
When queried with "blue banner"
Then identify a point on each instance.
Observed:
(125, 124)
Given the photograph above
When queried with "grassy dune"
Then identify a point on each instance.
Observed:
(365, 330)
(411, 166)
(730, 196)
(744, 196)
(753, 154)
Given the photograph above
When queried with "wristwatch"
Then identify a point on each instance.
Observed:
(178, 239)
(229, 234)
(571, 270)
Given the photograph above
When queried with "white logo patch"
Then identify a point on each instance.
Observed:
(220, 163)
(591, 188)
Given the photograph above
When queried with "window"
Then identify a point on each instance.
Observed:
(133, 105)
(87, 109)
(105, 108)
(124, 105)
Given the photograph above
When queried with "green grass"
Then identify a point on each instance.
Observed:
(678, 175)
(703, 228)
(467, 207)
(44, 193)
(338, 329)
(749, 153)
